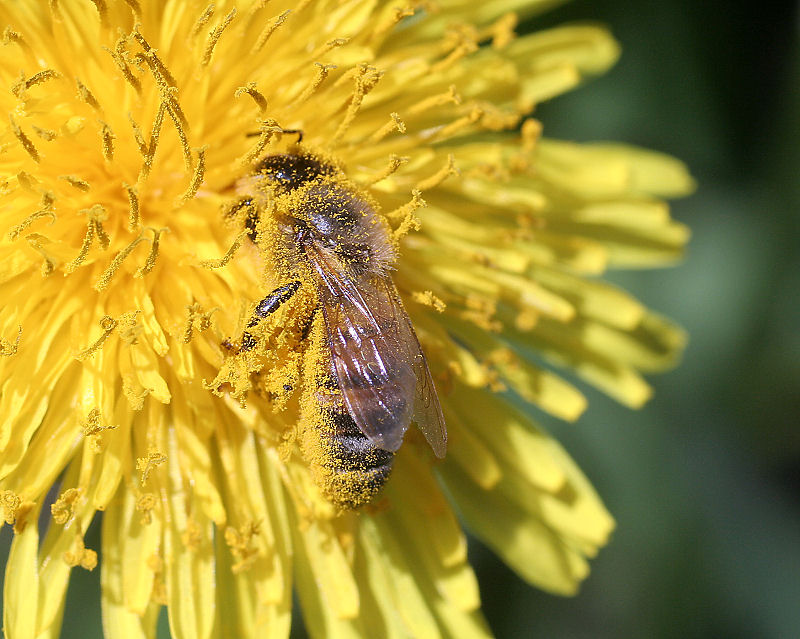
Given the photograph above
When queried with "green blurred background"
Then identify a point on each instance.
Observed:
(704, 482)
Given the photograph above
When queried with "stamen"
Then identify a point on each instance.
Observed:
(26, 180)
(503, 31)
(254, 8)
(85, 246)
(93, 425)
(7, 349)
(214, 36)
(157, 68)
(149, 463)
(10, 502)
(150, 262)
(213, 264)
(18, 88)
(80, 555)
(462, 50)
(37, 242)
(269, 127)
(449, 130)
(451, 97)
(97, 214)
(495, 119)
(168, 90)
(192, 536)
(388, 24)
(85, 95)
(427, 298)
(531, 133)
(102, 9)
(135, 8)
(322, 73)
(204, 320)
(36, 78)
(178, 119)
(440, 176)
(197, 178)
(197, 317)
(145, 504)
(408, 221)
(251, 90)
(46, 211)
(155, 131)
(266, 34)
(365, 81)
(201, 21)
(54, 10)
(118, 55)
(328, 46)
(192, 311)
(78, 183)
(394, 124)
(107, 324)
(46, 134)
(128, 327)
(108, 141)
(242, 546)
(138, 136)
(395, 162)
(9, 36)
(105, 277)
(24, 140)
(63, 508)
(133, 206)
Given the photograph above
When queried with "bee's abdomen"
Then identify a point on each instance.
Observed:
(351, 448)
(351, 470)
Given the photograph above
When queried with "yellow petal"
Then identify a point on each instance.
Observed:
(189, 561)
(427, 528)
(120, 619)
(410, 602)
(22, 584)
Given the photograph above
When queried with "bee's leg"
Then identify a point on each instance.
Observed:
(251, 215)
(309, 323)
(267, 306)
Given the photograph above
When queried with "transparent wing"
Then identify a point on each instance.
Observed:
(379, 365)
(427, 410)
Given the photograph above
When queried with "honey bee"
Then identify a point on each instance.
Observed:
(376, 379)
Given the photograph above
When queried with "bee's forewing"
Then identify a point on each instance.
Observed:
(376, 382)
(379, 365)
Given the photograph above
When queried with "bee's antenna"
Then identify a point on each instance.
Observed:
(298, 132)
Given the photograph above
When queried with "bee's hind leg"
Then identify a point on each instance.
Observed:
(267, 306)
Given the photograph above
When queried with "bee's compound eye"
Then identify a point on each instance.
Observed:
(291, 171)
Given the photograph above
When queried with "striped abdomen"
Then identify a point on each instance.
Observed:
(351, 470)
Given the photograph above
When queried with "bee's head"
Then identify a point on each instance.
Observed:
(289, 171)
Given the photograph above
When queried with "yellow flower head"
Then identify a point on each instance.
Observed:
(140, 376)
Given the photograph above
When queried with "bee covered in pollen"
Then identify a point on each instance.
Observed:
(371, 379)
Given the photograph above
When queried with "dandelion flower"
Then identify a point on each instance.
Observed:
(128, 128)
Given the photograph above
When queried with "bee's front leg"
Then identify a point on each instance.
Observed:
(246, 208)
(267, 306)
